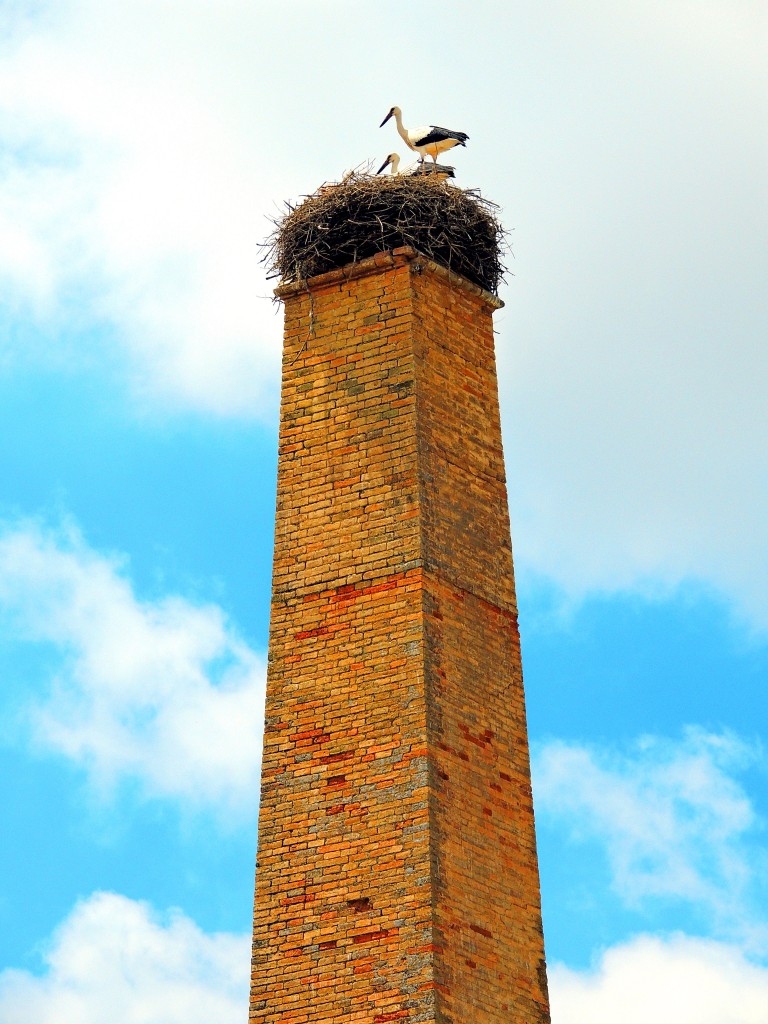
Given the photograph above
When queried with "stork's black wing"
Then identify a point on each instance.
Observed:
(436, 134)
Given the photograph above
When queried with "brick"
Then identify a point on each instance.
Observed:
(397, 877)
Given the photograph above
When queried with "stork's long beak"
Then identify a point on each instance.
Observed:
(386, 119)
(386, 163)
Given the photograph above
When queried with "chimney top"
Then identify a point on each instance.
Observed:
(351, 220)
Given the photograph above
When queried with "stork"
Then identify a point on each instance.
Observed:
(439, 171)
(429, 140)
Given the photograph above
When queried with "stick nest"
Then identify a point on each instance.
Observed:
(363, 214)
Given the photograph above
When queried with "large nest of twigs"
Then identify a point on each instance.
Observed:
(363, 214)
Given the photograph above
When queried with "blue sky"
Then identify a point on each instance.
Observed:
(143, 148)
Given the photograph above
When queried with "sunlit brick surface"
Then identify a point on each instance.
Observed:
(397, 876)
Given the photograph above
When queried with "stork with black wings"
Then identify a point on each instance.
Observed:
(429, 140)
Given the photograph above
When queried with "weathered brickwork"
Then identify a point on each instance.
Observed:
(397, 876)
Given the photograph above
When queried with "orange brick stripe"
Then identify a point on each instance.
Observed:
(396, 876)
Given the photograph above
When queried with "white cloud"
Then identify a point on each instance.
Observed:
(114, 959)
(673, 819)
(144, 146)
(634, 340)
(676, 980)
(125, 181)
(163, 692)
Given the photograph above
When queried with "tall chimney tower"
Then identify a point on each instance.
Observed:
(397, 876)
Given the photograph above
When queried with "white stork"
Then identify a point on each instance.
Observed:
(429, 140)
(439, 171)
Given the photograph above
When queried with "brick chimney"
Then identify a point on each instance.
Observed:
(397, 876)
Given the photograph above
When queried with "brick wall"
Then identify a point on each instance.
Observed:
(397, 876)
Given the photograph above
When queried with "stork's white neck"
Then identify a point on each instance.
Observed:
(401, 130)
